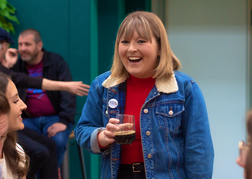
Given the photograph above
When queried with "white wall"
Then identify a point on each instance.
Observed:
(210, 39)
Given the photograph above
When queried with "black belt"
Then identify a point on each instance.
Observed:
(134, 167)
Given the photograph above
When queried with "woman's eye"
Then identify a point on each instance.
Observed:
(15, 101)
(141, 41)
(124, 41)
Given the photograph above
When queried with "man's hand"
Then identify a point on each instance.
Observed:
(11, 57)
(77, 87)
(55, 128)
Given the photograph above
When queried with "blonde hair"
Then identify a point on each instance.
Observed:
(146, 24)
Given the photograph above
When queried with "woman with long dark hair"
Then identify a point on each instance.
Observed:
(14, 161)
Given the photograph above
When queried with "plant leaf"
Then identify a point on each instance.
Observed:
(3, 4)
(10, 6)
(7, 15)
(10, 10)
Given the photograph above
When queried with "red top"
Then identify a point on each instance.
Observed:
(137, 90)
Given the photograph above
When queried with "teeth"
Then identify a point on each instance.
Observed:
(134, 58)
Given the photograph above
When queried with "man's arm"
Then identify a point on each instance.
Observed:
(74, 87)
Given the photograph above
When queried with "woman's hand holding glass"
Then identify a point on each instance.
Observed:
(106, 136)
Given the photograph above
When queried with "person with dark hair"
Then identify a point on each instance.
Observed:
(172, 136)
(14, 161)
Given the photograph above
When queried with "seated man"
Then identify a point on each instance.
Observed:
(48, 112)
(8, 57)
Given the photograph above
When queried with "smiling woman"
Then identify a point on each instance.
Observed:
(14, 161)
(171, 121)
(139, 55)
(17, 106)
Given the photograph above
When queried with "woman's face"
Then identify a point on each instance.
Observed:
(138, 55)
(16, 107)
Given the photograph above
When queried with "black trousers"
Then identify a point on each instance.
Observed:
(42, 152)
(129, 174)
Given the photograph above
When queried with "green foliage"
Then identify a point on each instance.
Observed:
(7, 16)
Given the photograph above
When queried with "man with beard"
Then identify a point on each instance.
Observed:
(50, 113)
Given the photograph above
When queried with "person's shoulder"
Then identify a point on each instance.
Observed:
(19, 61)
(52, 55)
(19, 149)
(100, 78)
(183, 77)
(103, 76)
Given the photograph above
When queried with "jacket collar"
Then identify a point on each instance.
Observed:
(46, 60)
(163, 85)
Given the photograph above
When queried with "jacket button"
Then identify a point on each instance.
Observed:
(146, 111)
(170, 112)
(148, 133)
(149, 155)
(106, 111)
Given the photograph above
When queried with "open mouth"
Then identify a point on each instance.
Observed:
(135, 59)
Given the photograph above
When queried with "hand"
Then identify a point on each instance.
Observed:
(105, 137)
(11, 57)
(55, 128)
(241, 164)
(78, 88)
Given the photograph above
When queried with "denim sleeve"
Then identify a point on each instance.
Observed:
(199, 152)
(90, 122)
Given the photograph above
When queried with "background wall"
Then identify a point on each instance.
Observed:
(210, 39)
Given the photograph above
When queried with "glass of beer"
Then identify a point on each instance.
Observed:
(126, 133)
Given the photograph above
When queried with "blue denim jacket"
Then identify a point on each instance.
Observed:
(174, 127)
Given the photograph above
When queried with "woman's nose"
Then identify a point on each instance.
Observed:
(23, 105)
(132, 47)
